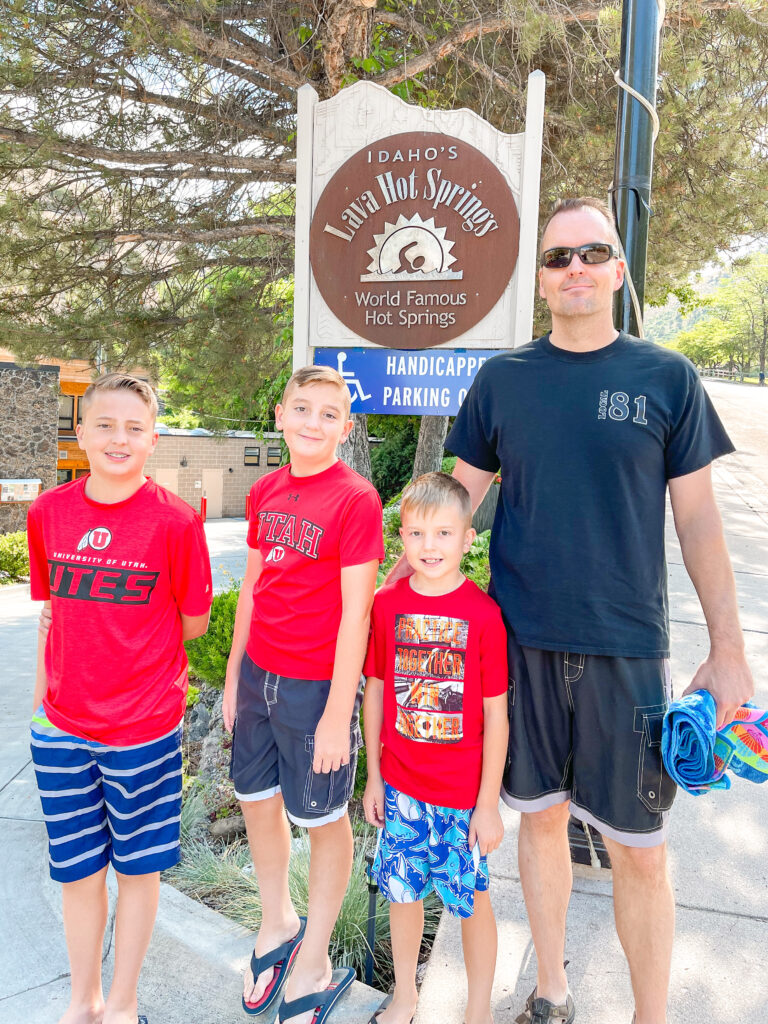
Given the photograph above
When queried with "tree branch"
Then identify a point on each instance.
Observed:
(277, 170)
(220, 48)
(188, 236)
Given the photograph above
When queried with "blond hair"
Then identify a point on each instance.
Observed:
(319, 375)
(581, 203)
(432, 491)
(121, 382)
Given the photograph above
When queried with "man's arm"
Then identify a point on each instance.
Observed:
(358, 583)
(41, 680)
(240, 636)
(725, 672)
(477, 481)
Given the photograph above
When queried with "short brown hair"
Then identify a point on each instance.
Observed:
(121, 382)
(580, 203)
(318, 375)
(435, 490)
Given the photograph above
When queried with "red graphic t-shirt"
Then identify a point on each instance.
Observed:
(438, 657)
(307, 528)
(118, 576)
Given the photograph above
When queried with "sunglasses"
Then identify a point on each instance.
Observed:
(593, 252)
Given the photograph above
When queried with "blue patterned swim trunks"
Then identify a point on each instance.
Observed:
(424, 847)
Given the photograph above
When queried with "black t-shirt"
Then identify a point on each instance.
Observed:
(586, 443)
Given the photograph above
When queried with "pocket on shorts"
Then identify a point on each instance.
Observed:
(655, 788)
(326, 791)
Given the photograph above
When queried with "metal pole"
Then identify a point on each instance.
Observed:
(640, 25)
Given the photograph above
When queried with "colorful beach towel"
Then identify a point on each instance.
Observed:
(698, 757)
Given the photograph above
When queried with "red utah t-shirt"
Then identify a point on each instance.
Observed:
(438, 657)
(118, 577)
(307, 529)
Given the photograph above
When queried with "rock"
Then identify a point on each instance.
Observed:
(227, 828)
(199, 723)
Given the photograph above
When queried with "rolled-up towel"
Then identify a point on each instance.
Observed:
(697, 756)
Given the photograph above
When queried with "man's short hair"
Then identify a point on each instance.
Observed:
(432, 491)
(121, 382)
(580, 203)
(319, 375)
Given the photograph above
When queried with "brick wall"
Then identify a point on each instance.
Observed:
(29, 417)
(216, 462)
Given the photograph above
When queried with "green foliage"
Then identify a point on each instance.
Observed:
(474, 564)
(193, 696)
(208, 654)
(223, 878)
(392, 461)
(14, 557)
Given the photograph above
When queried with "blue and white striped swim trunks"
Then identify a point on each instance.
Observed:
(102, 803)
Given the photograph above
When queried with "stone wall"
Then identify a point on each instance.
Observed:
(29, 419)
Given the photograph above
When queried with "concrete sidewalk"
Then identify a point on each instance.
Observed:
(193, 971)
(718, 847)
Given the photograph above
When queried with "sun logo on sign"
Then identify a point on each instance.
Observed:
(412, 249)
(99, 538)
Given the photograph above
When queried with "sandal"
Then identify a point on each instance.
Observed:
(541, 1011)
(281, 962)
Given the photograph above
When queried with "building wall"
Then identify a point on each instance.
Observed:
(29, 416)
(216, 463)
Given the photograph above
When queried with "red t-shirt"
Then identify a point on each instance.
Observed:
(438, 657)
(118, 576)
(307, 528)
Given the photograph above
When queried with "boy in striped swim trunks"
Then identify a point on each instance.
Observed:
(123, 566)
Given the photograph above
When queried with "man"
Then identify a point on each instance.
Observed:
(588, 427)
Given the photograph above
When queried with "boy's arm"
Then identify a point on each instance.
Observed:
(242, 628)
(358, 583)
(194, 625)
(373, 717)
(485, 826)
(41, 680)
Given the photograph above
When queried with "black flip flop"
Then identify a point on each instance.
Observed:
(323, 1002)
(281, 959)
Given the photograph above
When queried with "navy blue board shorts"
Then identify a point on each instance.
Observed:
(586, 728)
(273, 746)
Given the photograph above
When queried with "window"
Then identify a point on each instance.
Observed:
(63, 476)
(66, 412)
(274, 456)
(252, 457)
(79, 409)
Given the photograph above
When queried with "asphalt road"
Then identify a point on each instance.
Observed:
(743, 408)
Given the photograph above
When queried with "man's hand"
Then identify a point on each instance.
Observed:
(486, 828)
(44, 622)
(229, 701)
(373, 802)
(331, 745)
(729, 679)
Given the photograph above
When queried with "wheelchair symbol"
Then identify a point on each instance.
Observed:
(354, 385)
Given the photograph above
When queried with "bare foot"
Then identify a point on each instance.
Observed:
(266, 940)
(83, 1014)
(302, 984)
(123, 1015)
(400, 1010)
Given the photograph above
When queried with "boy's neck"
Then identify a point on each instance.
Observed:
(436, 588)
(304, 468)
(108, 491)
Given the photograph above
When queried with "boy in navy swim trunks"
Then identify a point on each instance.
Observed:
(292, 691)
(123, 566)
(436, 737)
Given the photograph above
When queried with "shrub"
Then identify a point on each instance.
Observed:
(208, 653)
(14, 557)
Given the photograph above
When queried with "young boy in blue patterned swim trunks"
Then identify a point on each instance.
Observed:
(435, 712)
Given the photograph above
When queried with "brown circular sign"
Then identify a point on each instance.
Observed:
(414, 240)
